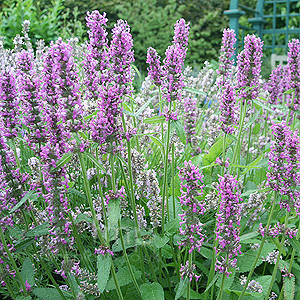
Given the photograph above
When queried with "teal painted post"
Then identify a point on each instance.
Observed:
(234, 14)
(258, 21)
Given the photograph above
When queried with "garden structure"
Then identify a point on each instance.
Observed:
(274, 21)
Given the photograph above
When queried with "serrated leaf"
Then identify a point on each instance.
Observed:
(103, 267)
(76, 192)
(152, 291)
(23, 298)
(289, 288)
(181, 288)
(49, 294)
(172, 227)
(265, 282)
(295, 244)
(38, 230)
(212, 282)
(130, 240)
(27, 271)
(123, 277)
(29, 195)
(207, 253)
(177, 125)
(160, 241)
(248, 236)
(113, 209)
(83, 217)
(155, 119)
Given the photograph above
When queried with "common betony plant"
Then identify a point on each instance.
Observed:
(185, 188)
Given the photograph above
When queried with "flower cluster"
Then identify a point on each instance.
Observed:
(225, 61)
(249, 67)
(294, 68)
(228, 222)
(191, 188)
(188, 271)
(284, 160)
(29, 86)
(9, 104)
(278, 229)
(154, 69)
(228, 117)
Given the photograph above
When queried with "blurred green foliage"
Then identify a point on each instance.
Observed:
(47, 20)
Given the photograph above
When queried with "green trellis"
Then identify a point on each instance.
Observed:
(275, 21)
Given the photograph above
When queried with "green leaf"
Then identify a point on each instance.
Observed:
(83, 217)
(254, 117)
(212, 283)
(160, 241)
(29, 195)
(27, 271)
(49, 294)
(263, 105)
(113, 213)
(295, 244)
(248, 236)
(215, 151)
(24, 244)
(123, 277)
(177, 125)
(103, 266)
(181, 288)
(95, 161)
(143, 107)
(23, 298)
(289, 288)
(64, 160)
(228, 282)
(155, 119)
(152, 291)
(91, 115)
(265, 282)
(38, 230)
(256, 129)
(172, 227)
(156, 141)
(130, 240)
(207, 253)
(194, 91)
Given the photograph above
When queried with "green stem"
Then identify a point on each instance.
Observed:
(259, 250)
(173, 181)
(8, 285)
(278, 258)
(224, 154)
(45, 267)
(12, 261)
(188, 296)
(165, 182)
(127, 260)
(223, 282)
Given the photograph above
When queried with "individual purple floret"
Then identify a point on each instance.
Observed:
(29, 88)
(249, 67)
(9, 104)
(284, 158)
(191, 187)
(225, 61)
(294, 69)
(188, 271)
(228, 117)
(69, 266)
(154, 69)
(228, 222)
(103, 250)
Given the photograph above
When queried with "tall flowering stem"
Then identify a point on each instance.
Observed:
(191, 188)
(29, 89)
(294, 69)
(225, 60)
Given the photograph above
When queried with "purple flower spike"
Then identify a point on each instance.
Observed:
(284, 163)
(190, 226)
(9, 110)
(249, 67)
(228, 222)
(228, 116)
(181, 33)
(154, 69)
(294, 69)
(225, 60)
